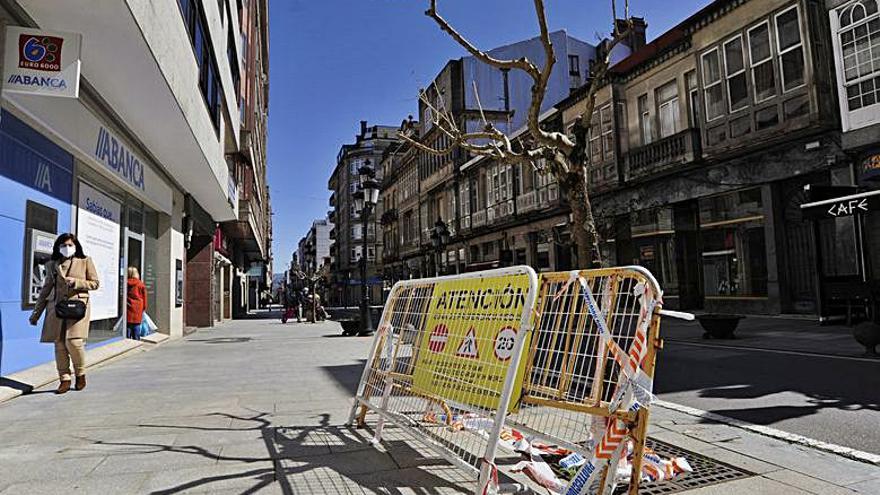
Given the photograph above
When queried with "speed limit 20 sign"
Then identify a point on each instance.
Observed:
(504, 342)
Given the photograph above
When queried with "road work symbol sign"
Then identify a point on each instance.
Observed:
(468, 347)
(438, 339)
(470, 335)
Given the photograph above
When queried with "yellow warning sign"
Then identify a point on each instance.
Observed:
(470, 335)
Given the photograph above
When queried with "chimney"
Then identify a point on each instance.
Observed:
(638, 35)
(363, 128)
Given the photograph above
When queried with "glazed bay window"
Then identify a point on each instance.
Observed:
(644, 120)
(858, 33)
(790, 49)
(761, 59)
(595, 139)
(735, 71)
(606, 117)
(668, 109)
(713, 90)
(734, 249)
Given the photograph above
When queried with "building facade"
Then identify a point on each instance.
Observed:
(700, 150)
(347, 233)
(476, 201)
(142, 163)
(314, 247)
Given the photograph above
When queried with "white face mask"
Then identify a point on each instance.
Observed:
(68, 251)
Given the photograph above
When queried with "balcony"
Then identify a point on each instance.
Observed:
(332, 233)
(663, 155)
(331, 216)
(478, 218)
(333, 199)
(526, 202)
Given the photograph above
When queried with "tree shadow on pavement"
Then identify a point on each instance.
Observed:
(749, 378)
(316, 459)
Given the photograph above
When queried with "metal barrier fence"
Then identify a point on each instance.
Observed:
(590, 369)
(458, 360)
(445, 362)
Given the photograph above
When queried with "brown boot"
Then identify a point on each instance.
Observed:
(80, 382)
(63, 387)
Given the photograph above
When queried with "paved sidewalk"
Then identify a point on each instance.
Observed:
(259, 407)
(783, 333)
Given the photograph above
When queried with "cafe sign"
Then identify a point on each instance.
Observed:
(40, 62)
(842, 206)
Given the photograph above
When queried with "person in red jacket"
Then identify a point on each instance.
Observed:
(137, 302)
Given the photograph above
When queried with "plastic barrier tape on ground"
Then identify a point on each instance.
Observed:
(635, 383)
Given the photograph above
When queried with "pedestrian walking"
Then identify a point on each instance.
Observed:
(136, 303)
(70, 275)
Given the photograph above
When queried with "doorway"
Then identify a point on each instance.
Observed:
(134, 256)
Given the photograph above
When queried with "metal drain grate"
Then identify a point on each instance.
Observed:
(706, 472)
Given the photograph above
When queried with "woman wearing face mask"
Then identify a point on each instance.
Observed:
(70, 275)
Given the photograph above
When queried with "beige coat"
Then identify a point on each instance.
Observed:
(82, 270)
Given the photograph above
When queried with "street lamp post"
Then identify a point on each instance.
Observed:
(439, 239)
(365, 200)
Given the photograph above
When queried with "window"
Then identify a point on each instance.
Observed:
(791, 51)
(693, 98)
(464, 193)
(734, 252)
(209, 79)
(668, 110)
(606, 117)
(574, 65)
(735, 70)
(713, 92)
(761, 59)
(595, 139)
(859, 37)
(644, 120)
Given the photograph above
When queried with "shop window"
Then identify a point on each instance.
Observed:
(734, 254)
(653, 241)
(839, 253)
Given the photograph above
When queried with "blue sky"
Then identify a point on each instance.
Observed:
(336, 62)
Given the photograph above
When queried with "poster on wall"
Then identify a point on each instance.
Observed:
(39, 254)
(178, 286)
(40, 62)
(97, 226)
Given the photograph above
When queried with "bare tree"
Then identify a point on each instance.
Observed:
(564, 156)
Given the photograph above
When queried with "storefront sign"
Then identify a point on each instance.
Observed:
(116, 156)
(842, 206)
(871, 168)
(97, 225)
(40, 62)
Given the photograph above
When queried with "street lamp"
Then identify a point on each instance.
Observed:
(439, 239)
(365, 199)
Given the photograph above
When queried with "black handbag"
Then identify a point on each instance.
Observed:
(70, 309)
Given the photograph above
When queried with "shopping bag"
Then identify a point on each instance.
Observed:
(151, 326)
(143, 329)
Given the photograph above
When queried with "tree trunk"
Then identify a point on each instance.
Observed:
(583, 226)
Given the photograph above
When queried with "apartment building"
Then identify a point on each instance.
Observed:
(347, 234)
(701, 149)
(134, 143)
(425, 189)
(849, 208)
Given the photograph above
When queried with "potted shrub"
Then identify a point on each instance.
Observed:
(719, 326)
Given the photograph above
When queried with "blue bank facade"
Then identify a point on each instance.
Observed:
(36, 192)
